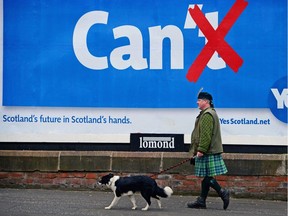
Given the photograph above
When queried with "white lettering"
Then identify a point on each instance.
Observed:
(215, 63)
(189, 22)
(134, 50)
(131, 55)
(157, 36)
(80, 44)
(282, 99)
(157, 142)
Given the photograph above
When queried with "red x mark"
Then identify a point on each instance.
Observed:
(216, 40)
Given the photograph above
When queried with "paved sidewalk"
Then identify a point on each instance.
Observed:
(38, 202)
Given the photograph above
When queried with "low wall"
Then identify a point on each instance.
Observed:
(261, 176)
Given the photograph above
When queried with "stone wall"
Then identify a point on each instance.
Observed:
(261, 176)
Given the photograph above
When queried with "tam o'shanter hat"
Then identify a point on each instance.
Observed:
(205, 95)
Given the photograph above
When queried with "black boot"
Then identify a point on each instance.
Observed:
(200, 203)
(225, 196)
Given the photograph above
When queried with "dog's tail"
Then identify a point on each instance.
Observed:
(164, 192)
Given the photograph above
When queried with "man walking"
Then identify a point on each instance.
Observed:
(206, 146)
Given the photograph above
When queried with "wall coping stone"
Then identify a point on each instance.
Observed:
(251, 164)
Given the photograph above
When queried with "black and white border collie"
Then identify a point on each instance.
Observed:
(127, 186)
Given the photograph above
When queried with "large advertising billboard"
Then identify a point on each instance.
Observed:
(97, 71)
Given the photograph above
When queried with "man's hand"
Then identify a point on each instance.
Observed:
(199, 154)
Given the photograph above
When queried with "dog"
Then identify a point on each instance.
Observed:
(127, 186)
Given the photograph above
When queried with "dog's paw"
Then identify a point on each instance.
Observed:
(108, 207)
(134, 207)
(146, 208)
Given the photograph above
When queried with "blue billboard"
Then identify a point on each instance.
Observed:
(143, 54)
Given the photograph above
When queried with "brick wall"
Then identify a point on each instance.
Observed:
(250, 176)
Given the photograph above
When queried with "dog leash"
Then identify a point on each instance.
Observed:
(172, 167)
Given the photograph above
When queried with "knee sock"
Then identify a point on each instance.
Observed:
(214, 184)
(208, 182)
(205, 185)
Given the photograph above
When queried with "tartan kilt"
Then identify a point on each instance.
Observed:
(210, 165)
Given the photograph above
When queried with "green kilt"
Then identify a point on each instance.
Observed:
(210, 165)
